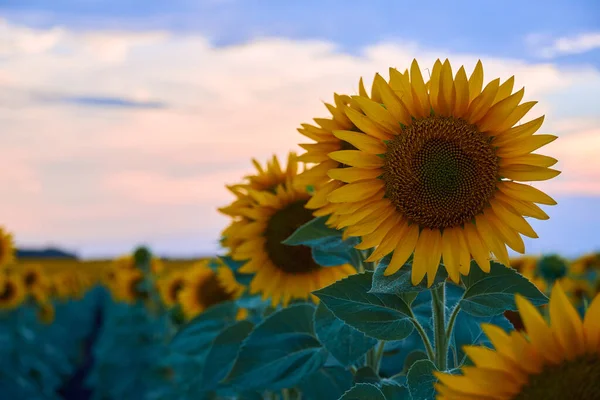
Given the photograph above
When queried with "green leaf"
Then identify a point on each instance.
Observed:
(412, 358)
(380, 316)
(493, 293)
(345, 343)
(312, 233)
(326, 384)
(400, 281)
(393, 390)
(195, 337)
(222, 354)
(420, 380)
(366, 375)
(363, 391)
(279, 352)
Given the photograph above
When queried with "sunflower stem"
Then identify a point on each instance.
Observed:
(285, 393)
(423, 334)
(378, 356)
(438, 306)
(451, 322)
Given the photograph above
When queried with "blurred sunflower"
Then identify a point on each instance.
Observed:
(327, 141)
(241, 208)
(204, 288)
(7, 248)
(523, 264)
(551, 362)
(127, 286)
(12, 291)
(281, 272)
(587, 264)
(170, 286)
(435, 171)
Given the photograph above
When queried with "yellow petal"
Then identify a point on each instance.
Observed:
(491, 240)
(515, 221)
(508, 235)
(476, 81)
(319, 199)
(521, 172)
(500, 111)
(389, 242)
(418, 85)
(515, 116)
(357, 158)
(357, 191)
(447, 92)
(361, 141)
(451, 253)
(378, 114)
(373, 239)
(505, 89)
(400, 84)
(365, 124)
(405, 248)
(477, 247)
(481, 104)
(518, 132)
(525, 146)
(353, 174)
(391, 101)
(434, 86)
(540, 334)
(538, 160)
(566, 323)
(461, 86)
(524, 192)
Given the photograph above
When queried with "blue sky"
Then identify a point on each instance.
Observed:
(122, 98)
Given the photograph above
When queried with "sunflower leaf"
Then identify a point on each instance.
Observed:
(400, 282)
(493, 293)
(345, 343)
(326, 384)
(380, 316)
(279, 352)
(420, 380)
(222, 354)
(312, 233)
(362, 391)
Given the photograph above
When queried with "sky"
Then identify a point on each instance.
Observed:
(122, 120)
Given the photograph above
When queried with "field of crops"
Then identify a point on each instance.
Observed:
(373, 266)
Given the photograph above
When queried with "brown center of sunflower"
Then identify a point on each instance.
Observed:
(8, 291)
(176, 286)
(440, 172)
(210, 292)
(30, 279)
(289, 259)
(577, 380)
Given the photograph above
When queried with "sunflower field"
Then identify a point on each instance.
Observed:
(373, 266)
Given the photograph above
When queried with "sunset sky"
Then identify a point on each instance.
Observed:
(121, 121)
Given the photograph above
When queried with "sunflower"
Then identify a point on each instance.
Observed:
(34, 278)
(326, 142)
(7, 248)
(12, 291)
(281, 272)
(266, 179)
(557, 361)
(435, 170)
(203, 289)
(127, 284)
(170, 286)
(589, 263)
(524, 264)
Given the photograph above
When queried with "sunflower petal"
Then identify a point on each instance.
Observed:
(357, 158)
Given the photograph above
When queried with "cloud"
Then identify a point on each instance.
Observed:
(99, 101)
(551, 48)
(108, 177)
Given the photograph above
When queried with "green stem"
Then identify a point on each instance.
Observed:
(451, 322)
(378, 355)
(353, 369)
(285, 393)
(424, 337)
(438, 305)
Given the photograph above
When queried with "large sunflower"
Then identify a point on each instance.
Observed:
(204, 288)
(326, 142)
(435, 171)
(281, 272)
(556, 362)
(240, 209)
(12, 291)
(7, 248)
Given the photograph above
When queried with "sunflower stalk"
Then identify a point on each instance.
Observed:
(378, 356)
(423, 335)
(438, 307)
